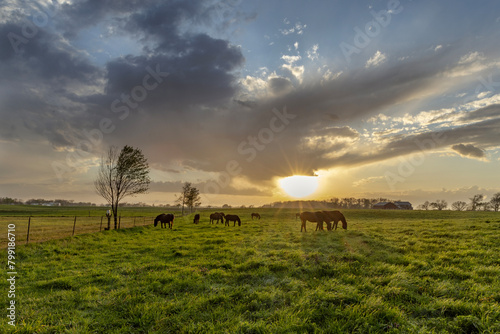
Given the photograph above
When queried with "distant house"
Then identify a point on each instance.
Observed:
(404, 205)
(393, 206)
(385, 206)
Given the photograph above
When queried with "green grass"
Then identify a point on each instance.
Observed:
(391, 272)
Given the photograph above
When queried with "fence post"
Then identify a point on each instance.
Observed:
(134, 221)
(119, 221)
(100, 228)
(74, 225)
(28, 236)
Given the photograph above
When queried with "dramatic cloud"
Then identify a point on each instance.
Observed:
(194, 86)
(468, 150)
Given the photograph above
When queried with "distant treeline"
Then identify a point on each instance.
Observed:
(333, 203)
(64, 202)
(44, 202)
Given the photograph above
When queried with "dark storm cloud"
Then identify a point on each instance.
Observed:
(43, 57)
(468, 150)
(201, 75)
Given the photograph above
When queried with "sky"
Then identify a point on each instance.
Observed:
(394, 99)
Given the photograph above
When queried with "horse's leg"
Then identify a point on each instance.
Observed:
(329, 226)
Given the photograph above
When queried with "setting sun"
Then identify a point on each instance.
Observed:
(299, 185)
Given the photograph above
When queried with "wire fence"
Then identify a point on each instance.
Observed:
(38, 229)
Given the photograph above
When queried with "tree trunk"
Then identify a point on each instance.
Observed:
(115, 214)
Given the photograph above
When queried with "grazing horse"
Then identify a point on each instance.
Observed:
(165, 219)
(256, 215)
(196, 218)
(335, 217)
(233, 218)
(313, 217)
(217, 216)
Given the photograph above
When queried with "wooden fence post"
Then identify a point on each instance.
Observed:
(74, 225)
(119, 221)
(134, 221)
(100, 228)
(28, 236)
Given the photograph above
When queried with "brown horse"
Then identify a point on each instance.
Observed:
(313, 217)
(256, 215)
(335, 217)
(233, 218)
(196, 218)
(217, 216)
(165, 219)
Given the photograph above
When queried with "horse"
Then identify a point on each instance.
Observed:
(335, 217)
(233, 218)
(196, 218)
(217, 216)
(256, 215)
(165, 219)
(313, 217)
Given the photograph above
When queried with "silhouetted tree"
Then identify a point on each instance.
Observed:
(122, 174)
(459, 205)
(189, 197)
(476, 201)
(495, 202)
(439, 204)
(424, 206)
(193, 199)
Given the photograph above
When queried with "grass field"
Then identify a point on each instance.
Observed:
(391, 271)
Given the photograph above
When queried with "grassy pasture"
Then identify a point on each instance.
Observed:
(392, 271)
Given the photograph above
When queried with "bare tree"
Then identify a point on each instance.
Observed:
(122, 174)
(184, 195)
(495, 202)
(459, 205)
(424, 206)
(439, 204)
(476, 201)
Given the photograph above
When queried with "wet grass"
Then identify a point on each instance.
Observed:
(391, 272)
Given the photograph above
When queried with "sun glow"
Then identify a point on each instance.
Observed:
(299, 185)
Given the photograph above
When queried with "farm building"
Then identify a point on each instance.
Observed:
(393, 206)
(404, 205)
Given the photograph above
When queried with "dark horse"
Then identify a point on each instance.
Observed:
(165, 219)
(335, 217)
(314, 217)
(256, 215)
(196, 218)
(233, 218)
(217, 216)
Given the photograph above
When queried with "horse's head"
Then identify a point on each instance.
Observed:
(156, 222)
